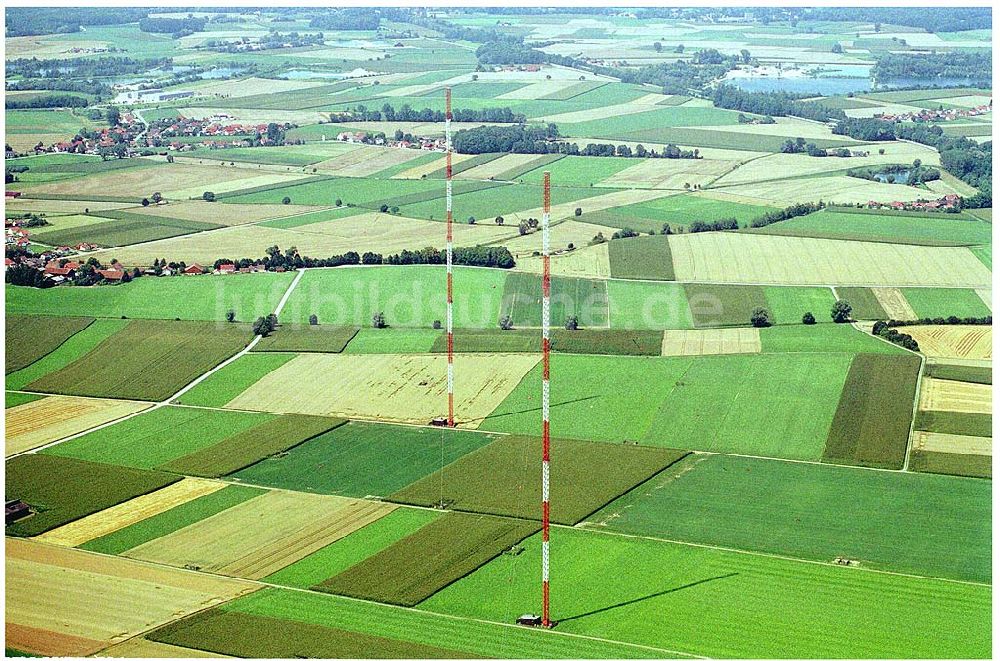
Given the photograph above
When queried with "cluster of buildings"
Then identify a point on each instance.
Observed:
(946, 203)
(942, 115)
(360, 137)
(153, 95)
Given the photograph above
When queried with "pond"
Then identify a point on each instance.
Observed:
(901, 177)
(802, 85)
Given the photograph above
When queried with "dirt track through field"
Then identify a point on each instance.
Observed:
(969, 342)
(120, 516)
(710, 341)
(102, 599)
(941, 395)
(45, 420)
(894, 303)
(260, 536)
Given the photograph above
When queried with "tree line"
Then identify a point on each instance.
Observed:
(520, 139)
(367, 18)
(774, 104)
(172, 25)
(28, 21)
(961, 65)
(82, 67)
(46, 101)
(407, 114)
(290, 259)
(680, 77)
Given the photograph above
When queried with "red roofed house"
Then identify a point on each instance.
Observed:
(194, 269)
(226, 268)
(112, 274)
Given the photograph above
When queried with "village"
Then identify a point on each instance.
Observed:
(939, 115)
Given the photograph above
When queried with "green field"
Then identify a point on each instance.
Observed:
(127, 364)
(436, 555)
(952, 422)
(139, 441)
(12, 399)
(593, 341)
(589, 476)
(242, 449)
(500, 200)
(726, 605)
(69, 351)
(945, 463)
(60, 489)
(932, 229)
(287, 155)
(393, 340)
(359, 192)
(864, 305)
(916, 524)
(648, 305)
(197, 298)
(872, 423)
(222, 386)
(409, 296)
(984, 254)
(620, 127)
(788, 304)
(732, 305)
(585, 299)
(305, 338)
(340, 461)
(646, 258)
(124, 229)
(823, 338)
(676, 211)
(928, 302)
(171, 520)
(968, 373)
(472, 637)
(578, 170)
(29, 337)
(349, 551)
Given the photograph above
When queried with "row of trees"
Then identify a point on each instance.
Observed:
(956, 65)
(60, 84)
(520, 139)
(793, 211)
(774, 104)
(290, 259)
(32, 20)
(172, 25)
(82, 67)
(840, 312)
(407, 114)
(46, 101)
(364, 18)
(680, 77)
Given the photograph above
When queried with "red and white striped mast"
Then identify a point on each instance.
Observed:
(546, 288)
(448, 221)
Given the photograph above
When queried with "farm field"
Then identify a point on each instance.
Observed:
(706, 499)
(239, 325)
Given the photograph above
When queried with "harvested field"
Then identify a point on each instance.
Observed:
(438, 554)
(389, 388)
(127, 364)
(956, 396)
(29, 337)
(670, 173)
(308, 339)
(922, 524)
(497, 166)
(564, 234)
(218, 214)
(591, 475)
(339, 462)
(365, 161)
(974, 342)
(720, 340)
(52, 418)
(756, 258)
(987, 297)
(172, 179)
(128, 513)
(171, 520)
(260, 536)
(872, 423)
(891, 300)
(225, 632)
(60, 490)
(242, 449)
(584, 262)
(962, 465)
(102, 600)
(419, 171)
(952, 443)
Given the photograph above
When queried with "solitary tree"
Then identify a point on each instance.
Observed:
(760, 318)
(286, 200)
(378, 320)
(472, 220)
(506, 323)
(208, 196)
(837, 48)
(841, 312)
(156, 198)
(808, 319)
(261, 327)
(572, 323)
(145, 201)
(231, 316)
(313, 320)
(578, 212)
(499, 220)
(339, 202)
(436, 325)
(657, 46)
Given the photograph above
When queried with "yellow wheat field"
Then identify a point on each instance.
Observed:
(499, 165)
(561, 236)
(586, 262)
(132, 511)
(392, 388)
(262, 535)
(51, 418)
(366, 161)
(834, 188)
(141, 648)
(710, 341)
(102, 600)
(974, 342)
(894, 303)
(952, 443)
(758, 258)
(224, 214)
(958, 396)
